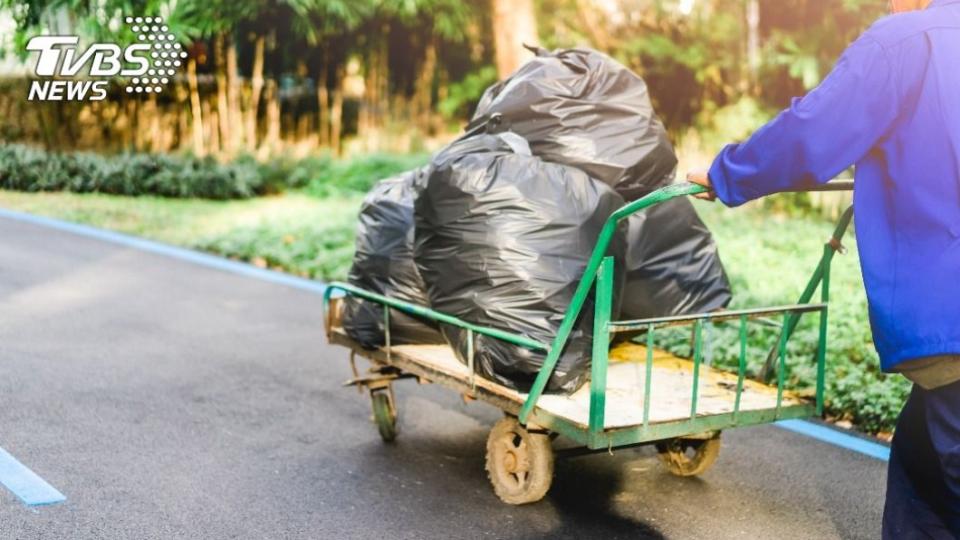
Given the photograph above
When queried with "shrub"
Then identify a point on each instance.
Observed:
(356, 175)
(314, 251)
(462, 96)
(24, 168)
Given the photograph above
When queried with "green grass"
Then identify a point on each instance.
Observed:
(769, 259)
(303, 235)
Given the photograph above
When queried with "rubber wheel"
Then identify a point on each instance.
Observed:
(519, 462)
(384, 415)
(689, 457)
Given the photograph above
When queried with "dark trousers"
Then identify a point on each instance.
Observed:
(923, 485)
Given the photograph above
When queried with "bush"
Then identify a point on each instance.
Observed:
(718, 126)
(463, 95)
(357, 175)
(24, 168)
(281, 174)
(320, 252)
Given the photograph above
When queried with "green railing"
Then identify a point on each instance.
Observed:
(590, 275)
(427, 313)
(598, 278)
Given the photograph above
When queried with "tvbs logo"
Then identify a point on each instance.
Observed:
(147, 65)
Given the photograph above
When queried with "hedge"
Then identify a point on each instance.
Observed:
(26, 168)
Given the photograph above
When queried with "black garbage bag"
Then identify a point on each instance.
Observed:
(580, 107)
(383, 263)
(502, 240)
(672, 264)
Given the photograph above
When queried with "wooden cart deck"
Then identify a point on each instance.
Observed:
(671, 385)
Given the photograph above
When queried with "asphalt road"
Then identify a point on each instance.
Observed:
(169, 400)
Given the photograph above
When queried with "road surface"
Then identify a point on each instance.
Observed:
(171, 400)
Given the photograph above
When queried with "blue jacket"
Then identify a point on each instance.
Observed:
(891, 106)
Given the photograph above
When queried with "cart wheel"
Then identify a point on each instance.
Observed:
(689, 457)
(384, 414)
(519, 462)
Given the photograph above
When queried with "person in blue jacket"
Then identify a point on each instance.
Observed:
(891, 106)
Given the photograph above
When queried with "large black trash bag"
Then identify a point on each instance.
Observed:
(672, 264)
(502, 240)
(580, 107)
(383, 263)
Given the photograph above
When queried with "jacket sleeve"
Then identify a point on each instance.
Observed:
(819, 136)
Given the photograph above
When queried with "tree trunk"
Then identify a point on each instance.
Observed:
(336, 113)
(65, 122)
(256, 90)
(98, 109)
(182, 120)
(424, 90)
(131, 115)
(272, 140)
(375, 92)
(213, 125)
(383, 92)
(138, 143)
(155, 133)
(364, 114)
(195, 108)
(44, 130)
(323, 103)
(753, 43)
(587, 12)
(233, 97)
(303, 126)
(514, 25)
(443, 92)
(223, 110)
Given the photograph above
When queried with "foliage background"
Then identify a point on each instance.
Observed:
(291, 76)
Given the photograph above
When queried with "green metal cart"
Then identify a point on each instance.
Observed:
(637, 395)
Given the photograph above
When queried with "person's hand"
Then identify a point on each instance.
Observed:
(703, 179)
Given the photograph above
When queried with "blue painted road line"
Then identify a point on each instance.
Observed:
(836, 438)
(810, 429)
(203, 259)
(25, 484)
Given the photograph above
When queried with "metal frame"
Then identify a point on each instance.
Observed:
(598, 280)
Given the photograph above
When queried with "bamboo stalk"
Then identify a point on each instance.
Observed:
(256, 90)
(196, 111)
